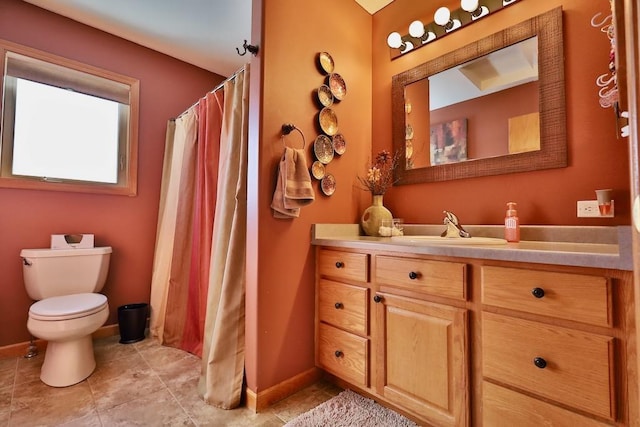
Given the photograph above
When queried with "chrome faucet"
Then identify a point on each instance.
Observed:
(454, 229)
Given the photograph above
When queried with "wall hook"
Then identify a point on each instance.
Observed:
(248, 47)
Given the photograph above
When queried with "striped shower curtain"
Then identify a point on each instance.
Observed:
(197, 290)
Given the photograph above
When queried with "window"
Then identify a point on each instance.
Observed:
(66, 126)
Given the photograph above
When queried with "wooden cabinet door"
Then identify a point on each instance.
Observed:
(422, 358)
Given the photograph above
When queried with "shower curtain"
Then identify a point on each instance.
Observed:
(198, 282)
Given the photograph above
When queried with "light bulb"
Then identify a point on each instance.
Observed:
(469, 5)
(394, 40)
(442, 16)
(416, 29)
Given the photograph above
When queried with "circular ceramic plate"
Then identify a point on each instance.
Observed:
(326, 62)
(317, 170)
(328, 184)
(339, 144)
(325, 96)
(323, 149)
(328, 121)
(338, 86)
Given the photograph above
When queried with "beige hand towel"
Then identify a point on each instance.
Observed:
(293, 187)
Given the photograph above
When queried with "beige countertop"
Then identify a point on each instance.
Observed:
(599, 247)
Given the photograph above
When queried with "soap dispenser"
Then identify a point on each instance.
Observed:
(512, 223)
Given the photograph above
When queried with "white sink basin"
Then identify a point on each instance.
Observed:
(451, 240)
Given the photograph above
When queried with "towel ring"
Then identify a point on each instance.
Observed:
(286, 130)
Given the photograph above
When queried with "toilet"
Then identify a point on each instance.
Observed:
(65, 282)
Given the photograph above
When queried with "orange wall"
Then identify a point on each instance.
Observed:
(280, 286)
(596, 158)
(128, 224)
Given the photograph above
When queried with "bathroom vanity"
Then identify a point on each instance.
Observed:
(534, 333)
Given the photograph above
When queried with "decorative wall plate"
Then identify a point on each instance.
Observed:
(325, 96)
(328, 121)
(328, 184)
(317, 170)
(339, 144)
(323, 149)
(326, 62)
(337, 85)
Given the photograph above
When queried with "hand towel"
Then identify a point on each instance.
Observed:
(293, 186)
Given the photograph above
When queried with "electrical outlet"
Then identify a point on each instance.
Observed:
(589, 209)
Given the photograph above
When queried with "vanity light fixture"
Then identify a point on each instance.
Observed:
(395, 41)
(474, 8)
(442, 17)
(419, 31)
(444, 22)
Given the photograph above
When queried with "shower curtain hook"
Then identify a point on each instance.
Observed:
(248, 47)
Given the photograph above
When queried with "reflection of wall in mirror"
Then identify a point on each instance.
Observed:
(488, 118)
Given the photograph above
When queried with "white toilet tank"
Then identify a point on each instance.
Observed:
(56, 272)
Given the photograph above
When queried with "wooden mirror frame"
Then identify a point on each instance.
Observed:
(553, 140)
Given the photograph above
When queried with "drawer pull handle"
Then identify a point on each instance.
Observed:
(338, 353)
(338, 305)
(413, 275)
(540, 362)
(339, 264)
(377, 298)
(537, 292)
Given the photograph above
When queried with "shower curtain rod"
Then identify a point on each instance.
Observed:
(214, 90)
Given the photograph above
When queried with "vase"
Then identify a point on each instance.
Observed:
(372, 216)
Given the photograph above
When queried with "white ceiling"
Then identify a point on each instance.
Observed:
(204, 33)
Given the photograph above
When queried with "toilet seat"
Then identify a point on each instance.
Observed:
(68, 307)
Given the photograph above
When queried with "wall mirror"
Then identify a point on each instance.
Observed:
(503, 113)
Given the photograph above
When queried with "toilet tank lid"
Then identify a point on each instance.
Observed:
(45, 253)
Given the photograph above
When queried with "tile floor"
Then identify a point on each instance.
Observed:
(141, 384)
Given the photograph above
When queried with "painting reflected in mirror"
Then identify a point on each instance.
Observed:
(495, 106)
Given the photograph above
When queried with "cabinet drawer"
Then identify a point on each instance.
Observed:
(343, 354)
(440, 278)
(343, 305)
(579, 365)
(502, 407)
(343, 265)
(567, 296)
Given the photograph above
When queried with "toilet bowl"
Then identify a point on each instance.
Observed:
(68, 309)
(67, 323)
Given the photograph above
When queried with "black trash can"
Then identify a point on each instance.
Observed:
(132, 321)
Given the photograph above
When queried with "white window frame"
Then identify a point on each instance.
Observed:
(18, 61)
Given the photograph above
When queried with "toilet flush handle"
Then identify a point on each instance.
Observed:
(26, 262)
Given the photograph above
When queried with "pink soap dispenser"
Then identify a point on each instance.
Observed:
(512, 223)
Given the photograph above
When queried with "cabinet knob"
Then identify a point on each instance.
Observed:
(537, 292)
(540, 362)
(339, 264)
(414, 275)
(338, 305)
(338, 353)
(377, 298)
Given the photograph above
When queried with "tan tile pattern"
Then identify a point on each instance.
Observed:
(140, 384)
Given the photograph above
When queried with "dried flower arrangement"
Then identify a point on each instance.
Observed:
(380, 174)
